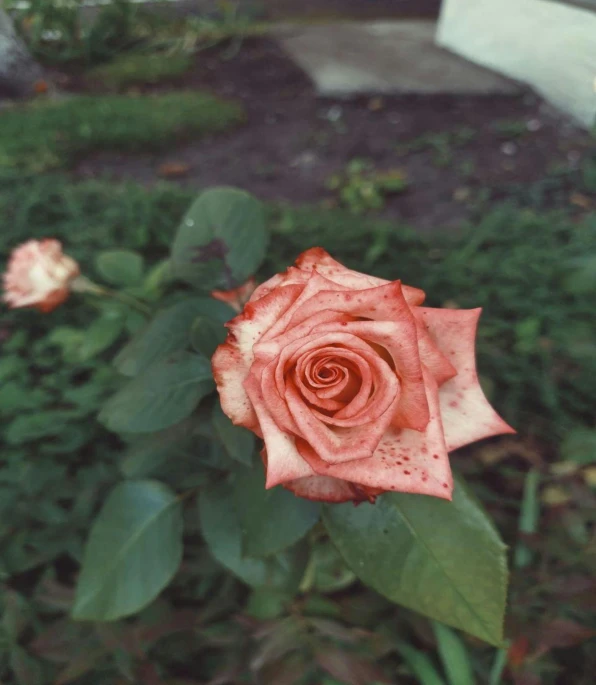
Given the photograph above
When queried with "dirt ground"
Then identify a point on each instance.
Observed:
(457, 151)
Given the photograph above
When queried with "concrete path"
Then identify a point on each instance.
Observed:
(345, 58)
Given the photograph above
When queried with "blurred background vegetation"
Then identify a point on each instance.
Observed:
(98, 159)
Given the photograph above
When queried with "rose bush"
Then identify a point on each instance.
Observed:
(39, 275)
(358, 391)
(355, 388)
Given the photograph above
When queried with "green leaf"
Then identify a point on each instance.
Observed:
(99, 336)
(238, 442)
(29, 427)
(266, 604)
(168, 332)
(147, 455)
(26, 669)
(120, 267)
(528, 517)
(454, 656)
(271, 520)
(580, 446)
(221, 241)
(133, 551)
(420, 664)
(221, 529)
(442, 559)
(206, 334)
(164, 394)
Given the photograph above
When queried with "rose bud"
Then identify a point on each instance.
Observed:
(237, 297)
(355, 388)
(39, 275)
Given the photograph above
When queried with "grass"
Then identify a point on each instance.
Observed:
(54, 133)
(139, 68)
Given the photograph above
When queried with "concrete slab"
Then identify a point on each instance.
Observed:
(559, 61)
(345, 58)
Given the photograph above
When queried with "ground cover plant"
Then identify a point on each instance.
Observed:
(55, 133)
(69, 381)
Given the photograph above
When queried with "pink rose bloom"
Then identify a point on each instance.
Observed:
(354, 387)
(39, 275)
(237, 297)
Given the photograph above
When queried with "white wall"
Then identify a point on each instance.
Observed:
(548, 45)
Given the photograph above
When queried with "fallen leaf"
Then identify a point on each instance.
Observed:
(173, 169)
(554, 496)
(561, 632)
(580, 200)
(40, 87)
(348, 668)
(375, 104)
(518, 651)
(564, 468)
(589, 475)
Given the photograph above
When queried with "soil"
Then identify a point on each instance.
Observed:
(293, 141)
(349, 9)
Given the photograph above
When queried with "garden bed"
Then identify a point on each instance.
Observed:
(456, 152)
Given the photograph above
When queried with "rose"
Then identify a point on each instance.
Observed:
(39, 275)
(354, 387)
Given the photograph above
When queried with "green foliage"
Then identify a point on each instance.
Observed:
(58, 32)
(168, 332)
(222, 240)
(510, 129)
(580, 446)
(140, 68)
(454, 655)
(133, 551)
(238, 442)
(165, 393)
(56, 132)
(120, 267)
(444, 559)
(271, 519)
(441, 145)
(362, 188)
(59, 465)
(221, 525)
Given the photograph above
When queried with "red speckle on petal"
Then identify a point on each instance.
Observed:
(435, 456)
(407, 473)
(445, 485)
(406, 458)
(453, 403)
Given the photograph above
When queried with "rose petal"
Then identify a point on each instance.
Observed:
(466, 413)
(236, 297)
(400, 340)
(283, 461)
(324, 489)
(404, 461)
(314, 284)
(338, 445)
(232, 360)
(318, 259)
(430, 355)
